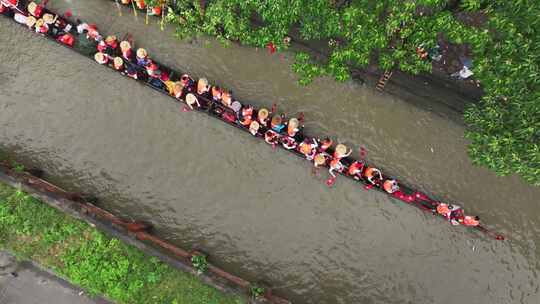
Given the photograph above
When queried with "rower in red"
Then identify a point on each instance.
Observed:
(271, 137)
(308, 148)
(125, 48)
(443, 210)
(325, 144)
(341, 151)
(391, 186)
(335, 165)
(246, 115)
(374, 176)
(320, 160)
(453, 213)
(254, 128)
(355, 170)
(471, 221)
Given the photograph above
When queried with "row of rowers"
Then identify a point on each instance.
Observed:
(275, 128)
(45, 23)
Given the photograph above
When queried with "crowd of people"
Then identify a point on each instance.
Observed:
(275, 128)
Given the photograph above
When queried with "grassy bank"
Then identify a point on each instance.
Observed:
(88, 258)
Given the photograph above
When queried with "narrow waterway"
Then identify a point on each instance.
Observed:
(262, 213)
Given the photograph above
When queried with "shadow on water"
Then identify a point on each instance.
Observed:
(259, 212)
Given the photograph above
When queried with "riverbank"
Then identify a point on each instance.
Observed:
(99, 264)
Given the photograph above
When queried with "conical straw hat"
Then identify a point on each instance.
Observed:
(293, 123)
(202, 82)
(254, 125)
(110, 39)
(124, 46)
(178, 87)
(30, 21)
(191, 99)
(236, 106)
(48, 18)
(32, 8)
(141, 53)
(263, 113)
(99, 57)
(341, 149)
(319, 159)
(118, 61)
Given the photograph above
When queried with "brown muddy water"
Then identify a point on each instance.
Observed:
(262, 213)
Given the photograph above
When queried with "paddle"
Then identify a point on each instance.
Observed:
(301, 117)
(162, 17)
(490, 233)
(331, 181)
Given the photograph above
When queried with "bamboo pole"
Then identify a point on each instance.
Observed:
(118, 7)
(163, 17)
(146, 20)
(134, 8)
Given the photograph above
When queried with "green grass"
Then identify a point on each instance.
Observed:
(90, 259)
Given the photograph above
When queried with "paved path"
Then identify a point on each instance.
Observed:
(23, 283)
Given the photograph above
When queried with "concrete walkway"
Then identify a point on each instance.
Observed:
(24, 283)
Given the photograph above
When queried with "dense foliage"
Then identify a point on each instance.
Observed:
(86, 257)
(504, 128)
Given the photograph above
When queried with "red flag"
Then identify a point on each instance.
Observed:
(68, 13)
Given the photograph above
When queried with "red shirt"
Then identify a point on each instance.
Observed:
(355, 168)
(67, 39)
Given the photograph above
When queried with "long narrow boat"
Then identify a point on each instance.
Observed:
(223, 113)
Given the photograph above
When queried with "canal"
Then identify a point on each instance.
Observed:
(259, 212)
